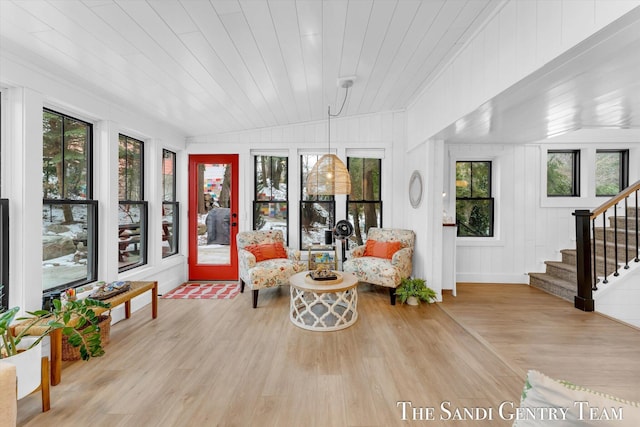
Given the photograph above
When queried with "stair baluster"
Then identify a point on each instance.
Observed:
(587, 281)
(604, 243)
(626, 234)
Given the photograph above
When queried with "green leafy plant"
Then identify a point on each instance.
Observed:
(76, 319)
(414, 287)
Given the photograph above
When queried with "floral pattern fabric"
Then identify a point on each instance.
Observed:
(268, 273)
(381, 271)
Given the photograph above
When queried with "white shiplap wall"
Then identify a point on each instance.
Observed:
(26, 90)
(520, 38)
(380, 133)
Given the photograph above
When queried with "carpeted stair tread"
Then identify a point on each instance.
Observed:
(560, 278)
(553, 285)
(569, 257)
(562, 265)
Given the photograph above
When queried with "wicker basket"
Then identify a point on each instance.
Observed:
(70, 352)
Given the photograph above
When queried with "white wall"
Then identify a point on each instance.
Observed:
(26, 91)
(371, 134)
(530, 228)
(520, 38)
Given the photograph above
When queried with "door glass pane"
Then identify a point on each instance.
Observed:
(214, 213)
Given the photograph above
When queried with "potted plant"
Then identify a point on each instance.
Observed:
(414, 290)
(76, 319)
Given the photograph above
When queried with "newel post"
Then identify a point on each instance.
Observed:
(584, 299)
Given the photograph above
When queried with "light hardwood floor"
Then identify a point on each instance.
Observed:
(220, 362)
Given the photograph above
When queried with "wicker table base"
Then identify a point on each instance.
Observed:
(318, 306)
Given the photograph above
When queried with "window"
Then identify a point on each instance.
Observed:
(4, 233)
(316, 212)
(132, 214)
(563, 173)
(474, 203)
(270, 205)
(69, 215)
(170, 206)
(4, 254)
(364, 207)
(612, 172)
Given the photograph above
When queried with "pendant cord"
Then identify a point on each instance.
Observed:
(344, 101)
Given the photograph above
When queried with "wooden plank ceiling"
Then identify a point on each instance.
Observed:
(210, 66)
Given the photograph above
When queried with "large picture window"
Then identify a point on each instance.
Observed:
(271, 195)
(563, 173)
(364, 204)
(69, 215)
(612, 172)
(474, 201)
(170, 206)
(317, 213)
(132, 214)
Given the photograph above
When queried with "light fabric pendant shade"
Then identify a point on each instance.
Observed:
(329, 176)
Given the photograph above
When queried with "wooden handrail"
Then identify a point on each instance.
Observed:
(615, 199)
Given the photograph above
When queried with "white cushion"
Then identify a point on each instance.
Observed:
(574, 405)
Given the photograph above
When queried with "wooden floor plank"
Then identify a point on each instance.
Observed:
(220, 362)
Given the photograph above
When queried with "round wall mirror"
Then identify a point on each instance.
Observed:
(415, 189)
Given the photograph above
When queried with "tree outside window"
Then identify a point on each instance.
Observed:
(317, 213)
(132, 213)
(170, 206)
(270, 206)
(563, 172)
(612, 172)
(69, 215)
(474, 202)
(364, 204)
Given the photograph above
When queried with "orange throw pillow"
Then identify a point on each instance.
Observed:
(381, 249)
(267, 251)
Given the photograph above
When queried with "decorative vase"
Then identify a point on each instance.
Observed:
(412, 301)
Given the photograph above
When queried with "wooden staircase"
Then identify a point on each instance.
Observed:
(560, 278)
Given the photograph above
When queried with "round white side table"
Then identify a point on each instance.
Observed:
(323, 306)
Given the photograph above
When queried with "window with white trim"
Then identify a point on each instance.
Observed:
(317, 213)
(170, 205)
(271, 195)
(474, 200)
(69, 214)
(133, 209)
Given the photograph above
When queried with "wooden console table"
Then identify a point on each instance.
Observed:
(55, 337)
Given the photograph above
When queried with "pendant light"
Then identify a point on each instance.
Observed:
(329, 176)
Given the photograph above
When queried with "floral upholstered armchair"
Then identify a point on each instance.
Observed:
(385, 260)
(264, 261)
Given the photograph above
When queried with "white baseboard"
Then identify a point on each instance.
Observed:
(492, 278)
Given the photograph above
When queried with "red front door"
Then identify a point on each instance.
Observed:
(213, 216)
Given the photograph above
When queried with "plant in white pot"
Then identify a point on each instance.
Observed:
(76, 319)
(413, 290)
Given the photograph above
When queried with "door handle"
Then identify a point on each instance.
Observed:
(234, 224)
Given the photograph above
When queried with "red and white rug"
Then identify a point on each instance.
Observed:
(204, 291)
